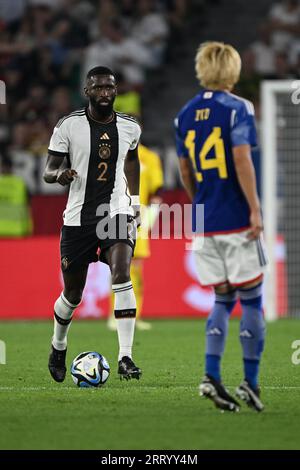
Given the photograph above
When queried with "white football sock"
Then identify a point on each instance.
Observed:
(63, 311)
(125, 313)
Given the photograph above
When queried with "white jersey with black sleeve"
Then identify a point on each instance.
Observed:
(97, 152)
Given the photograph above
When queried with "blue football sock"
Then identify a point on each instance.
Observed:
(252, 332)
(251, 370)
(216, 333)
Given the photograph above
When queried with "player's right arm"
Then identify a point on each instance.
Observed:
(188, 177)
(57, 170)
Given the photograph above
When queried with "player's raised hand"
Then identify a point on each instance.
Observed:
(65, 177)
(256, 225)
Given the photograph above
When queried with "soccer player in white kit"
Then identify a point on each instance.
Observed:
(95, 151)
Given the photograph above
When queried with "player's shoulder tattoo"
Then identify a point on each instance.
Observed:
(79, 112)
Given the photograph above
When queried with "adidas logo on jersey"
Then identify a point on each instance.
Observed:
(246, 334)
(104, 136)
(214, 332)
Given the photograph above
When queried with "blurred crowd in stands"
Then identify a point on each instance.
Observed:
(47, 46)
(275, 54)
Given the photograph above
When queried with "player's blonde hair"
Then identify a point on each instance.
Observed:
(218, 65)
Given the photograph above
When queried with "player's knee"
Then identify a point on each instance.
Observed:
(120, 274)
(74, 296)
(120, 277)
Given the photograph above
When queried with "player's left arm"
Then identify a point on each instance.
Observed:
(132, 173)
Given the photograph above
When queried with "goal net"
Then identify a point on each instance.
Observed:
(280, 143)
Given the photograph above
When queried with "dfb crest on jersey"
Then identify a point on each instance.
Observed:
(104, 151)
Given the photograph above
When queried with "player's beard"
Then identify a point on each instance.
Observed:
(103, 111)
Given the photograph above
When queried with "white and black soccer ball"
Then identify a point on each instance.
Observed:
(90, 369)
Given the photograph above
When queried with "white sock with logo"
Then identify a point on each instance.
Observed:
(63, 312)
(125, 313)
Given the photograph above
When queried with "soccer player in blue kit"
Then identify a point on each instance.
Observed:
(214, 135)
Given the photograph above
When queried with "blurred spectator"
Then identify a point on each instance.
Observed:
(295, 60)
(47, 46)
(248, 85)
(151, 30)
(82, 11)
(260, 55)
(12, 10)
(107, 12)
(116, 51)
(45, 3)
(127, 10)
(284, 22)
(60, 105)
(34, 105)
(177, 10)
(282, 66)
(128, 99)
(15, 218)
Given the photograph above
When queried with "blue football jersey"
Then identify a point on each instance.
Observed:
(207, 128)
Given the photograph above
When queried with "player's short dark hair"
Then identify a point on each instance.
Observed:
(99, 70)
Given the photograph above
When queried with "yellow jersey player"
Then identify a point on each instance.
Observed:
(151, 181)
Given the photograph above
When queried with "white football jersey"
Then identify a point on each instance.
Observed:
(97, 152)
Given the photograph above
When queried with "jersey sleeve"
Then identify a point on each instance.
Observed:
(59, 142)
(243, 130)
(136, 137)
(181, 149)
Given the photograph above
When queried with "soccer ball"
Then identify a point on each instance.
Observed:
(90, 369)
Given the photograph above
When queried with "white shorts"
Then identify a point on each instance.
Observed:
(231, 257)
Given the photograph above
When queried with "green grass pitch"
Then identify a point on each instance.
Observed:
(162, 410)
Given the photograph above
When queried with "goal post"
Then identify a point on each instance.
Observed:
(280, 145)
